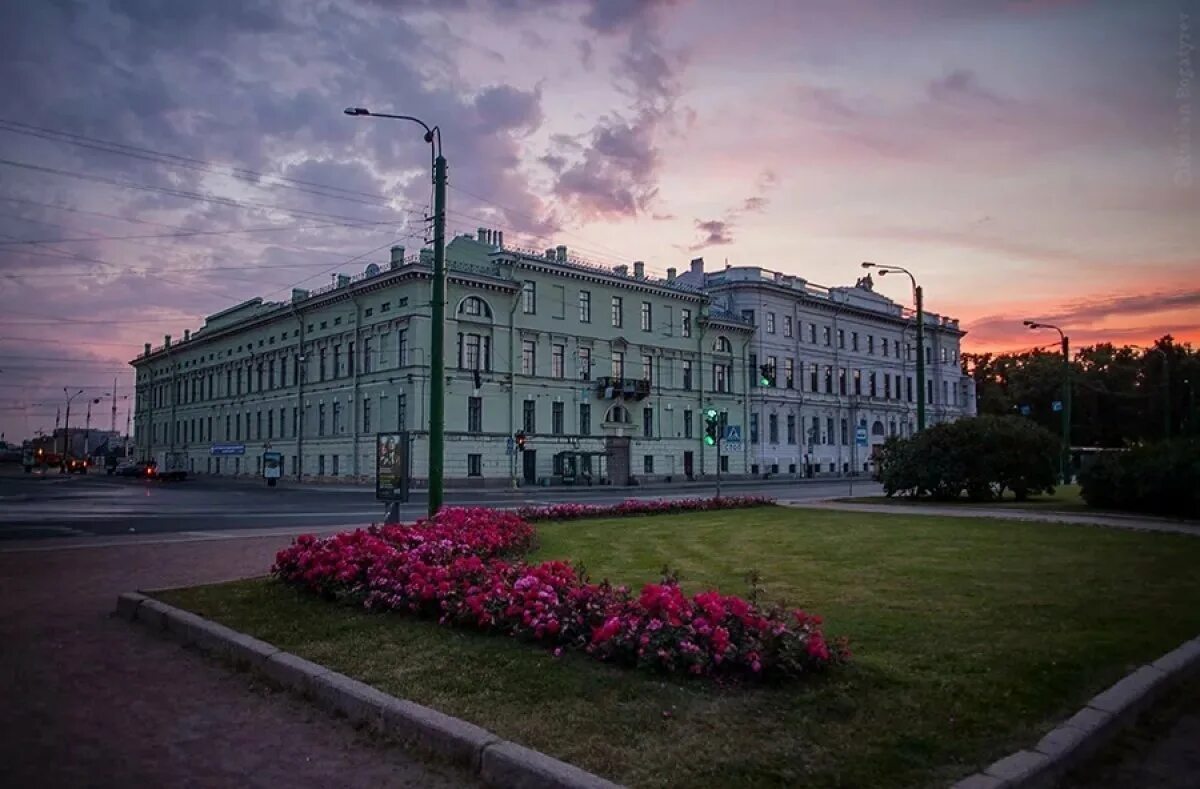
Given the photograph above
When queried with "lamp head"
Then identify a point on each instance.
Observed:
(356, 111)
(1031, 324)
(429, 136)
(866, 264)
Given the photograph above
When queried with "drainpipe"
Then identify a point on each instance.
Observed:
(746, 405)
(701, 329)
(512, 385)
(301, 369)
(354, 396)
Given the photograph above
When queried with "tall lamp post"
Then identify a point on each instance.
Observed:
(437, 362)
(1064, 461)
(1166, 387)
(919, 299)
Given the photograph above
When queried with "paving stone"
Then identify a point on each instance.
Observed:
(1130, 694)
(515, 767)
(1019, 767)
(293, 672)
(127, 605)
(358, 701)
(450, 737)
(1182, 658)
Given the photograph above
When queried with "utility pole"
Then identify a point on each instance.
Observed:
(437, 362)
(920, 299)
(113, 428)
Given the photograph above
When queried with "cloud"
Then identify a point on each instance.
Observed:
(718, 232)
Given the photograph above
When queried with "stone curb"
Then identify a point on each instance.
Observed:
(1075, 740)
(496, 762)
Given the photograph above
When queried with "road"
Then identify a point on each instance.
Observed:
(77, 508)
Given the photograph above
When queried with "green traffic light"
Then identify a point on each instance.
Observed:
(764, 381)
(711, 413)
(709, 440)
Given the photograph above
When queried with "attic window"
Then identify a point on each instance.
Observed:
(385, 307)
(370, 311)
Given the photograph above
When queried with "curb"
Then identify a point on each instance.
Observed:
(497, 762)
(1074, 741)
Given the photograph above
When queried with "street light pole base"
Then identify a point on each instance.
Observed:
(392, 516)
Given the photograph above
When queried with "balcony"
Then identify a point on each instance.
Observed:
(610, 388)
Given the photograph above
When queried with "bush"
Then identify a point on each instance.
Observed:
(1161, 478)
(451, 568)
(981, 456)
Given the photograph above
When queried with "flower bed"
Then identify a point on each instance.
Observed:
(460, 568)
(566, 512)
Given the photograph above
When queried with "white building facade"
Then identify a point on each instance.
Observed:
(605, 369)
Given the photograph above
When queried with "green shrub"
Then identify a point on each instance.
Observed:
(981, 456)
(1161, 478)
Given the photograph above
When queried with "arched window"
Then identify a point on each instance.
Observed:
(877, 428)
(618, 413)
(474, 306)
(722, 345)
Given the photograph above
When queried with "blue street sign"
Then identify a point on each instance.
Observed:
(510, 446)
(1056, 405)
(1025, 410)
(860, 436)
(733, 434)
(227, 449)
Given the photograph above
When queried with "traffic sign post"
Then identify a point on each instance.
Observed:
(860, 435)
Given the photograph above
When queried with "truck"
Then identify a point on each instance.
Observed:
(170, 465)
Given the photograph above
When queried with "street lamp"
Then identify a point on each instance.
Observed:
(1166, 386)
(1064, 461)
(919, 299)
(437, 367)
(87, 425)
(67, 427)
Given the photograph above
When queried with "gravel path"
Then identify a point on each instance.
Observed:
(88, 700)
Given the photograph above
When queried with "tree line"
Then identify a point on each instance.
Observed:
(1121, 395)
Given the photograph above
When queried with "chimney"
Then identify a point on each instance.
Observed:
(187, 334)
(671, 274)
(778, 276)
(397, 259)
(499, 238)
(147, 346)
(621, 270)
(343, 280)
(560, 253)
(299, 294)
(482, 234)
(697, 265)
(549, 254)
(166, 341)
(639, 269)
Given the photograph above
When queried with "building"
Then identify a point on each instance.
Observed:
(606, 370)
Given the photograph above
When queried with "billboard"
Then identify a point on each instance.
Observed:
(391, 466)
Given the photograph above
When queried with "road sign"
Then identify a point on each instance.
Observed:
(510, 446)
(860, 435)
(227, 449)
(733, 434)
(1056, 405)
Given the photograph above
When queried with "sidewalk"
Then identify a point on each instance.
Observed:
(91, 701)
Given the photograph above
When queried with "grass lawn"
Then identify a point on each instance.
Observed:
(1065, 498)
(971, 638)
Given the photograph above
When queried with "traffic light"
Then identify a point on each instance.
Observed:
(712, 427)
(520, 439)
(766, 375)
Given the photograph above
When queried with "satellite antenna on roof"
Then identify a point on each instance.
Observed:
(372, 270)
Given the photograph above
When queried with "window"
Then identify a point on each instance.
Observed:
(401, 411)
(884, 343)
(270, 424)
(854, 340)
(270, 375)
(335, 464)
(945, 392)
(896, 349)
(812, 378)
(722, 345)
(474, 352)
(337, 360)
(474, 465)
(720, 373)
(724, 463)
(367, 354)
(337, 417)
(773, 365)
(618, 364)
(887, 384)
(295, 422)
(770, 323)
(370, 311)
(828, 379)
(773, 428)
(475, 415)
(687, 374)
(556, 419)
(321, 419)
(791, 429)
(754, 428)
(871, 344)
(687, 423)
(858, 382)
(648, 422)
(789, 373)
(748, 317)
(841, 338)
(529, 297)
(910, 389)
(585, 419)
(350, 358)
(558, 361)
(685, 323)
(401, 347)
(753, 372)
(618, 317)
(648, 464)
(845, 432)
(585, 364)
(669, 323)
(320, 368)
(528, 357)
(874, 388)
(827, 335)
(476, 307)
(385, 307)
(648, 368)
(787, 325)
(647, 317)
(529, 422)
(585, 306)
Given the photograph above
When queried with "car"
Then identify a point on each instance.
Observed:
(76, 465)
(143, 469)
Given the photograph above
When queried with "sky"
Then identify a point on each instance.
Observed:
(161, 161)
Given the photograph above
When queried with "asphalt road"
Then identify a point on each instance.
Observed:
(36, 507)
